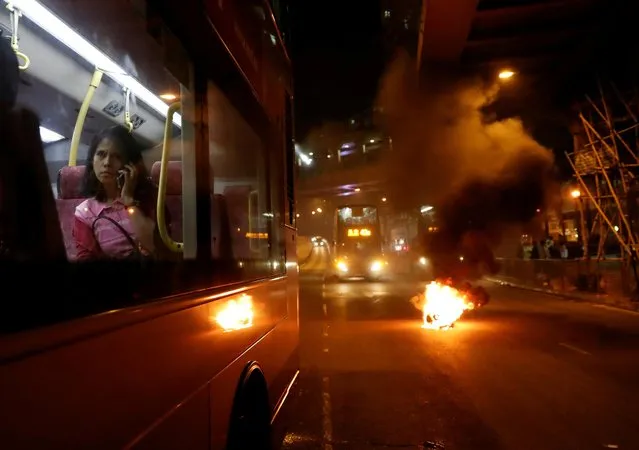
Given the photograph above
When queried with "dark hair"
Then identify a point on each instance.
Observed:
(131, 152)
(9, 74)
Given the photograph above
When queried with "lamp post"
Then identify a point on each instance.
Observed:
(583, 232)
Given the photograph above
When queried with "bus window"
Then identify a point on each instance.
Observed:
(238, 160)
(65, 44)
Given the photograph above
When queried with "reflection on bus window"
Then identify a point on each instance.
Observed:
(242, 223)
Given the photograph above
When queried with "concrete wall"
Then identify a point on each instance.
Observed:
(304, 248)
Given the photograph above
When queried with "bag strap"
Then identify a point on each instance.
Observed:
(128, 237)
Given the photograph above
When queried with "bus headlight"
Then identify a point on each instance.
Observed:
(341, 266)
(376, 266)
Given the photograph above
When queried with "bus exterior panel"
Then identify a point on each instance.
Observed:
(131, 371)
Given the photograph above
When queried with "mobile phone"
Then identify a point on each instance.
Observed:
(120, 178)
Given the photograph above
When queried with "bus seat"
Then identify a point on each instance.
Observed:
(222, 247)
(173, 199)
(70, 182)
(237, 198)
(69, 197)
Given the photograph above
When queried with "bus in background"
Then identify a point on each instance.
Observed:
(357, 245)
(196, 348)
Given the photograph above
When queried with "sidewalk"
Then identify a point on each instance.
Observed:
(602, 299)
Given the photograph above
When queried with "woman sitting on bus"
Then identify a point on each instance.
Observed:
(118, 219)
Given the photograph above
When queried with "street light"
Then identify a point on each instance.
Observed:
(583, 232)
(383, 199)
(506, 74)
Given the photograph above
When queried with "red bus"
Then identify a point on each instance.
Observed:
(193, 349)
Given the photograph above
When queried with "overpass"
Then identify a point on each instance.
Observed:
(530, 36)
(343, 182)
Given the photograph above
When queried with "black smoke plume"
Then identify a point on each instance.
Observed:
(483, 176)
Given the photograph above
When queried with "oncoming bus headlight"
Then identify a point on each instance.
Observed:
(376, 266)
(342, 266)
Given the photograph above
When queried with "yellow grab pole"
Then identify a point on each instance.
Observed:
(174, 246)
(82, 114)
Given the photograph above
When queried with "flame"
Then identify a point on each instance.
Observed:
(443, 306)
(236, 314)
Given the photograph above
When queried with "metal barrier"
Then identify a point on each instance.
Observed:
(603, 277)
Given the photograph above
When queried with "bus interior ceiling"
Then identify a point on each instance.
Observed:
(54, 86)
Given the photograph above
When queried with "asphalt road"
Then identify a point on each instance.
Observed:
(528, 371)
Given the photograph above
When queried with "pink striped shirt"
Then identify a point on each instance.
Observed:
(112, 241)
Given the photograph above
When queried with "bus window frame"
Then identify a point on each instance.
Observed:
(290, 168)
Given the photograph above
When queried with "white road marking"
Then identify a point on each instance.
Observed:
(327, 421)
(574, 349)
(619, 310)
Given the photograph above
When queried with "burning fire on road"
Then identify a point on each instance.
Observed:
(442, 305)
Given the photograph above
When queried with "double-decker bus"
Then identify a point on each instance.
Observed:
(196, 348)
(358, 244)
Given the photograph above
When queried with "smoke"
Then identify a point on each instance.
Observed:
(482, 175)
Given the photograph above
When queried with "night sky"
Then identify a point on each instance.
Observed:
(337, 58)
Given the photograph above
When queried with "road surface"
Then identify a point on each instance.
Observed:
(528, 371)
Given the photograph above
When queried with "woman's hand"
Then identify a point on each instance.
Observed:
(128, 187)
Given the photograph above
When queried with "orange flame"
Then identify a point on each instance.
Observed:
(443, 306)
(236, 314)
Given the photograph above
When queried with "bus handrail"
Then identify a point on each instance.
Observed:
(15, 20)
(127, 110)
(174, 246)
(82, 115)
